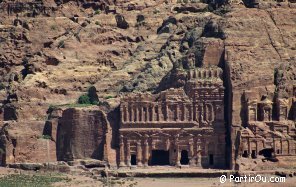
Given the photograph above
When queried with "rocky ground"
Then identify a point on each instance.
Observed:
(26, 178)
(95, 173)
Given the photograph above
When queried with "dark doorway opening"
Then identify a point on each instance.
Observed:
(184, 157)
(266, 152)
(278, 151)
(245, 154)
(160, 157)
(211, 159)
(133, 160)
(254, 154)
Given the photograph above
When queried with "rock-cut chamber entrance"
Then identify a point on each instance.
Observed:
(160, 158)
(184, 157)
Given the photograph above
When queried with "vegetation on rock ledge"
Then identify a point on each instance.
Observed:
(31, 180)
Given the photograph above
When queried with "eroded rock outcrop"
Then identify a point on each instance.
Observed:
(81, 134)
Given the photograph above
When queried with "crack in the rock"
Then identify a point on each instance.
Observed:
(274, 22)
(271, 42)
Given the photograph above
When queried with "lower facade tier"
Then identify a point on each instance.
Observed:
(201, 148)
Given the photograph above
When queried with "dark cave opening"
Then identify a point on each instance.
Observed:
(160, 158)
(267, 153)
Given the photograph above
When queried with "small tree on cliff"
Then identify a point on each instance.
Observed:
(92, 94)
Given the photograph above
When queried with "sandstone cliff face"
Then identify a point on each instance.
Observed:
(52, 58)
(26, 144)
(81, 134)
(259, 45)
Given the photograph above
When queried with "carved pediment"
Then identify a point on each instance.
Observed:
(134, 135)
(160, 135)
(185, 135)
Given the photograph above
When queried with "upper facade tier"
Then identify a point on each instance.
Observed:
(199, 104)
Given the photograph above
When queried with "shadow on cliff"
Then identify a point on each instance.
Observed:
(114, 121)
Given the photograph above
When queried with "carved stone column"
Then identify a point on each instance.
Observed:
(142, 113)
(198, 155)
(146, 155)
(274, 146)
(122, 116)
(191, 154)
(136, 113)
(139, 154)
(178, 153)
(281, 151)
(127, 113)
(184, 113)
(203, 117)
(156, 108)
(132, 113)
(167, 112)
(205, 114)
(128, 153)
(191, 113)
(153, 144)
(152, 112)
(289, 147)
(121, 163)
(147, 112)
(177, 112)
(249, 148)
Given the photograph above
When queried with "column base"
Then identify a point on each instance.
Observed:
(192, 162)
(139, 164)
(128, 165)
(122, 164)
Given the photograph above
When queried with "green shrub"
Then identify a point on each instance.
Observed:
(47, 137)
(156, 11)
(92, 94)
(221, 11)
(97, 23)
(53, 27)
(97, 12)
(109, 97)
(84, 99)
(90, 98)
(2, 86)
(32, 180)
